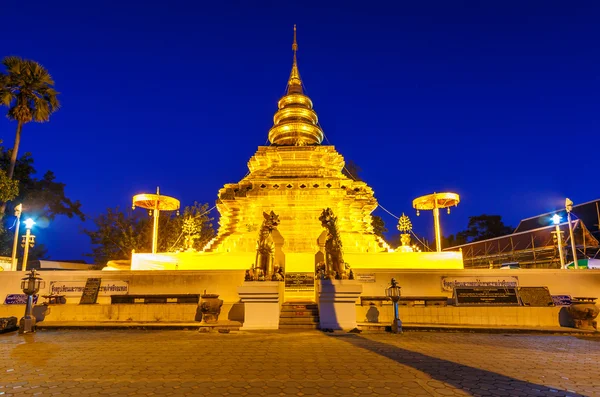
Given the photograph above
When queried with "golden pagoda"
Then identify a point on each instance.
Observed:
(296, 177)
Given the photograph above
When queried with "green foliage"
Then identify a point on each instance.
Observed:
(481, 227)
(44, 196)
(27, 89)
(453, 240)
(378, 226)
(118, 233)
(9, 189)
(484, 227)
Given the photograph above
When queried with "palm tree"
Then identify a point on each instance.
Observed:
(27, 90)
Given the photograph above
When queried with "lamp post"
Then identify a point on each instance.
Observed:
(30, 286)
(569, 208)
(28, 241)
(18, 210)
(393, 292)
(556, 221)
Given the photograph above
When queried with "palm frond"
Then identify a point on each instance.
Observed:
(27, 89)
(13, 63)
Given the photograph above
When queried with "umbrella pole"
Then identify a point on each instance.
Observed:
(156, 213)
(573, 246)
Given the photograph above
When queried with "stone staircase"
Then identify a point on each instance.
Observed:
(299, 315)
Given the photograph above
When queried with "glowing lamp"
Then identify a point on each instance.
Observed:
(393, 293)
(556, 219)
(30, 285)
(29, 223)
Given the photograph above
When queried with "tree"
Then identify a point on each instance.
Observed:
(351, 170)
(453, 240)
(9, 189)
(27, 90)
(378, 226)
(42, 198)
(482, 227)
(118, 233)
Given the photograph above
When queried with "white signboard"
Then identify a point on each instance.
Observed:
(75, 288)
(365, 277)
(5, 263)
(448, 283)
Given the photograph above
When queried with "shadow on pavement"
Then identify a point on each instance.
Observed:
(475, 381)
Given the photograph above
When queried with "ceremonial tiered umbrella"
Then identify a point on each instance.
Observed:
(433, 202)
(155, 203)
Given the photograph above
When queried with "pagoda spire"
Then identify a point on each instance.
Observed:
(295, 123)
(294, 82)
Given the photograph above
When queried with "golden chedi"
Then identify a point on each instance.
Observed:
(296, 177)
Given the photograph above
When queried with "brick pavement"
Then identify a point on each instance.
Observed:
(189, 363)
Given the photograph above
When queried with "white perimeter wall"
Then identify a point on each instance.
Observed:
(225, 282)
(583, 282)
(222, 282)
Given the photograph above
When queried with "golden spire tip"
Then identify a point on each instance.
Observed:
(294, 82)
(295, 44)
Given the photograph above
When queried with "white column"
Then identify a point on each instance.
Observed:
(337, 303)
(262, 302)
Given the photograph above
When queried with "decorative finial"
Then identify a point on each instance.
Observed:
(294, 82)
(404, 224)
(295, 44)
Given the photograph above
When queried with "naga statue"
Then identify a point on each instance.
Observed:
(335, 267)
(264, 268)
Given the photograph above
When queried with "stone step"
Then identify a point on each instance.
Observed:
(299, 326)
(307, 313)
(299, 307)
(299, 315)
(299, 320)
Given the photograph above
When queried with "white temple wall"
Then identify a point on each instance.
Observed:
(577, 283)
(222, 282)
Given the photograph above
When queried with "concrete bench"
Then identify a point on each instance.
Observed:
(405, 300)
(153, 298)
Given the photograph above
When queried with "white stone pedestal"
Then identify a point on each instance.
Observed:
(261, 304)
(337, 303)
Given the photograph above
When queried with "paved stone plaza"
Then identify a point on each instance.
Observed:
(189, 363)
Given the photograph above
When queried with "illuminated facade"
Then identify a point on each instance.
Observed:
(296, 177)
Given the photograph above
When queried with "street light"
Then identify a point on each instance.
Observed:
(18, 210)
(28, 241)
(556, 220)
(393, 292)
(30, 286)
(569, 208)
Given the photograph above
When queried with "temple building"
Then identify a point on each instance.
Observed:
(296, 177)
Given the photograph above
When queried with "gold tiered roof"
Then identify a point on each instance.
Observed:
(295, 123)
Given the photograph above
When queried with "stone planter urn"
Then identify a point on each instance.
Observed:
(584, 311)
(210, 306)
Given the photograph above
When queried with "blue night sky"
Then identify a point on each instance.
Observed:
(497, 101)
